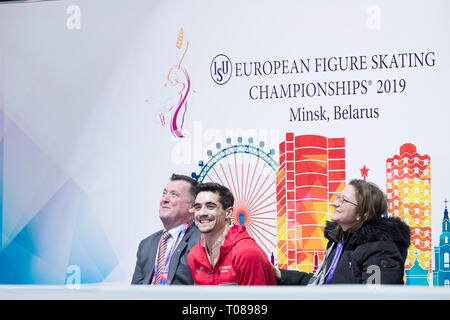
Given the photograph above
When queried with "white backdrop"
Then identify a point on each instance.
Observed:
(83, 83)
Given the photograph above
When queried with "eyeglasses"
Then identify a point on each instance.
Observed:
(339, 201)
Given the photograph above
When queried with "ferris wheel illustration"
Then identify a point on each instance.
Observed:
(249, 173)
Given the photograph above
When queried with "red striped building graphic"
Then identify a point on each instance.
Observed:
(310, 174)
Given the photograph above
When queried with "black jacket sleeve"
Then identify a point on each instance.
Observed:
(294, 277)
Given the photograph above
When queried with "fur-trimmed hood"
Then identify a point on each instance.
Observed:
(381, 242)
(380, 229)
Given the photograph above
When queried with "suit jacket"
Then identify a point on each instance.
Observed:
(179, 272)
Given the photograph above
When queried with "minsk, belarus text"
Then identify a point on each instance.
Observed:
(368, 79)
(336, 112)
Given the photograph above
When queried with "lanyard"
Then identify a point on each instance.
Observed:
(334, 263)
(165, 270)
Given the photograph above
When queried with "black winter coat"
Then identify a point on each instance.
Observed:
(376, 253)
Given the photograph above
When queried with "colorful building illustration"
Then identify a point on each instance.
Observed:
(409, 193)
(311, 172)
(416, 275)
(441, 272)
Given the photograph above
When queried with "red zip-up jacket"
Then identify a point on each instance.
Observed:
(241, 262)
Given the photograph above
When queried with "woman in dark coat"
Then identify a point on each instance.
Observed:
(363, 246)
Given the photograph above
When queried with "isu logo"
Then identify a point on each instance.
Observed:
(221, 69)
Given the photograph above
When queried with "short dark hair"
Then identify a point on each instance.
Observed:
(189, 180)
(226, 198)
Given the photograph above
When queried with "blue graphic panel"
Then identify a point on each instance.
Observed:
(91, 251)
(39, 253)
(63, 233)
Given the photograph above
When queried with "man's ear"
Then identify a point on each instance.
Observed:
(229, 213)
(191, 207)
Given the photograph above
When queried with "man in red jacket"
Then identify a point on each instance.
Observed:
(225, 254)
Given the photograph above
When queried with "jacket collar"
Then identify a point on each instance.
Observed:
(179, 250)
(379, 229)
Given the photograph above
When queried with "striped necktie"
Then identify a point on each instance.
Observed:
(161, 256)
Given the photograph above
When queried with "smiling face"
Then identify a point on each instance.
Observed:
(175, 204)
(346, 214)
(210, 217)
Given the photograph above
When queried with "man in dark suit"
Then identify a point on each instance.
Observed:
(177, 216)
